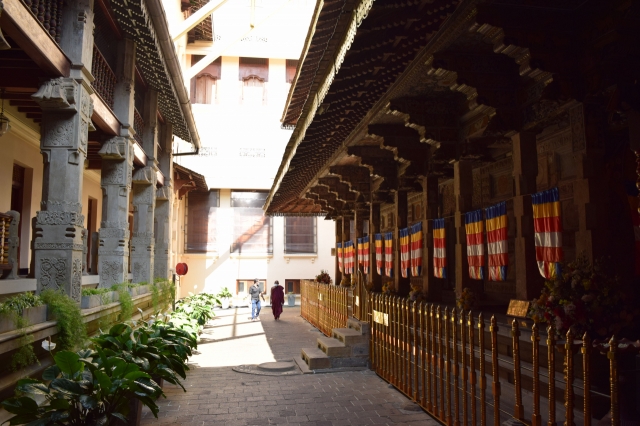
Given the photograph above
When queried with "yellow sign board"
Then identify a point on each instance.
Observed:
(518, 308)
(380, 318)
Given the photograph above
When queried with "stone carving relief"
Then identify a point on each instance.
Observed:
(114, 149)
(59, 93)
(163, 193)
(114, 233)
(53, 273)
(76, 280)
(113, 173)
(59, 218)
(67, 205)
(113, 224)
(58, 134)
(111, 271)
(58, 246)
(144, 176)
(139, 272)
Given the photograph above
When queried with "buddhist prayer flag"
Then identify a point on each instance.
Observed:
(475, 243)
(379, 254)
(405, 254)
(366, 258)
(416, 249)
(360, 257)
(439, 249)
(497, 241)
(388, 254)
(348, 257)
(339, 250)
(548, 231)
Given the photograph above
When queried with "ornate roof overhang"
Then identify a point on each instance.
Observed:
(134, 18)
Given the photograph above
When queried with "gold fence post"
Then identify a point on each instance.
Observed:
(568, 379)
(433, 389)
(551, 355)
(613, 379)
(387, 338)
(483, 377)
(472, 367)
(415, 351)
(406, 348)
(535, 344)
(424, 352)
(397, 361)
(586, 378)
(517, 378)
(440, 363)
(447, 364)
(465, 372)
(493, 329)
(456, 371)
(373, 339)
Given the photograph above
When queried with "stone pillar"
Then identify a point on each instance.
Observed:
(375, 279)
(463, 194)
(113, 251)
(95, 237)
(164, 200)
(525, 172)
(143, 241)
(67, 107)
(338, 274)
(432, 285)
(402, 285)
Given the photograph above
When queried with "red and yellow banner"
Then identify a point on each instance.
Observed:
(379, 254)
(497, 241)
(348, 257)
(474, 226)
(388, 254)
(365, 259)
(439, 249)
(339, 251)
(405, 254)
(548, 231)
(416, 249)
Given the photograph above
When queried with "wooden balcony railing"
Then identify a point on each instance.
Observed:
(105, 79)
(49, 13)
(324, 306)
(138, 125)
(5, 221)
(463, 370)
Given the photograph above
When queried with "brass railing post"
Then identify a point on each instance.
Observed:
(568, 379)
(415, 352)
(535, 344)
(613, 379)
(483, 377)
(586, 378)
(472, 367)
(424, 353)
(551, 343)
(493, 329)
(465, 370)
(456, 371)
(517, 378)
(433, 389)
(406, 349)
(447, 364)
(440, 363)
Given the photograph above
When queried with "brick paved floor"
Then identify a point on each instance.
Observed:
(217, 395)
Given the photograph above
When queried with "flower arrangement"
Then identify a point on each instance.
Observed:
(466, 299)
(388, 288)
(584, 297)
(416, 294)
(323, 277)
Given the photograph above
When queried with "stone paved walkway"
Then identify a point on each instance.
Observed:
(217, 395)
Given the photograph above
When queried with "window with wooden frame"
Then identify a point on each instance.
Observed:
(202, 210)
(254, 74)
(252, 231)
(291, 67)
(204, 86)
(300, 235)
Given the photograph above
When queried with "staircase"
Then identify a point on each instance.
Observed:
(347, 348)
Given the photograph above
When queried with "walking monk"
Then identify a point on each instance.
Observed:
(277, 299)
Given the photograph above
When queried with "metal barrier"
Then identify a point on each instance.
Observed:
(325, 306)
(444, 360)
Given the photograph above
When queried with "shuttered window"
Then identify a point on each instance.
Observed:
(202, 210)
(300, 235)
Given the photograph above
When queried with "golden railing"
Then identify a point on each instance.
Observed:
(360, 305)
(325, 306)
(5, 221)
(452, 365)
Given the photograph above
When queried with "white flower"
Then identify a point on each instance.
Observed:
(48, 345)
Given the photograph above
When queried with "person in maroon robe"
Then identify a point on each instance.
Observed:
(277, 299)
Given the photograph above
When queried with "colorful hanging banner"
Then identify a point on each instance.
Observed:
(365, 255)
(388, 254)
(348, 257)
(475, 243)
(439, 249)
(379, 254)
(405, 255)
(548, 231)
(360, 256)
(416, 249)
(497, 245)
(339, 250)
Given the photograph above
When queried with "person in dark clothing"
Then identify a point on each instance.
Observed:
(277, 300)
(255, 294)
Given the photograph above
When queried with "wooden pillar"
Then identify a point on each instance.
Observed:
(375, 279)
(463, 193)
(431, 285)
(359, 217)
(525, 171)
(338, 274)
(346, 236)
(403, 285)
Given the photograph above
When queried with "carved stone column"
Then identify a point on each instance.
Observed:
(463, 194)
(525, 172)
(432, 285)
(113, 251)
(143, 242)
(66, 120)
(164, 200)
(375, 279)
(402, 285)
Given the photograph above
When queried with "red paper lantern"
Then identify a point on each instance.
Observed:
(182, 269)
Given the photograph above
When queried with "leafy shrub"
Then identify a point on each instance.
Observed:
(95, 291)
(224, 293)
(72, 332)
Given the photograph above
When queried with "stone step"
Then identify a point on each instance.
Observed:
(359, 350)
(362, 327)
(315, 358)
(349, 336)
(353, 361)
(333, 347)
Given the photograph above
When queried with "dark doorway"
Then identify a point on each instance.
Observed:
(17, 196)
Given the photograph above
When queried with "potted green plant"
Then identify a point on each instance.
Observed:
(20, 311)
(94, 297)
(225, 298)
(291, 299)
